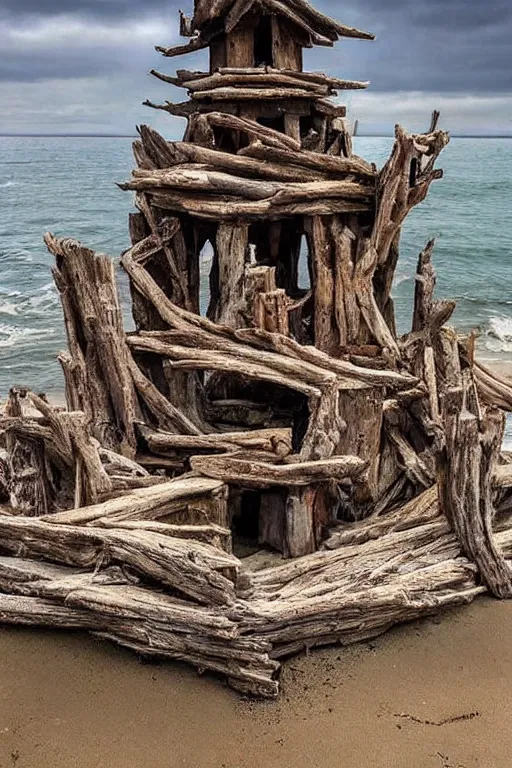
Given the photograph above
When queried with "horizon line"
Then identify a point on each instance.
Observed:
(135, 136)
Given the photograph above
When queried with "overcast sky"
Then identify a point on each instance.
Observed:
(80, 66)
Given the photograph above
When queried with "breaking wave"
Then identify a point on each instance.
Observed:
(15, 304)
(498, 336)
(11, 335)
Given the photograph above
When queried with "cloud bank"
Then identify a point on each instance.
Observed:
(80, 65)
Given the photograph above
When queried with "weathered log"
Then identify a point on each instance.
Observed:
(216, 207)
(263, 133)
(421, 509)
(277, 441)
(208, 533)
(133, 616)
(413, 465)
(258, 78)
(329, 109)
(248, 364)
(194, 569)
(428, 314)
(325, 336)
(198, 179)
(465, 477)
(30, 488)
(270, 311)
(165, 413)
(232, 253)
(142, 503)
(235, 94)
(182, 152)
(362, 411)
(206, 347)
(69, 457)
(195, 44)
(182, 109)
(403, 183)
(97, 372)
(259, 474)
(312, 77)
(343, 368)
(313, 160)
(346, 313)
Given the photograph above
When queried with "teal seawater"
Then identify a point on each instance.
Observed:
(67, 185)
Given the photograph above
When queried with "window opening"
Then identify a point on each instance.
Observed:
(205, 277)
(263, 42)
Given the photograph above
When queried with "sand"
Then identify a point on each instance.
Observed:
(498, 365)
(433, 694)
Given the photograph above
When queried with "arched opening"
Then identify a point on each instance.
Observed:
(304, 266)
(413, 172)
(206, 267)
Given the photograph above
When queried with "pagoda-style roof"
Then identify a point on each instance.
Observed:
(216, 17)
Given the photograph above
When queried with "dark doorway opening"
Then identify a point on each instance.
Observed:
(277, 123)
(263, 42)
(245, 522)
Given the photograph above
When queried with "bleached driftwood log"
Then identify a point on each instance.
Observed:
(96, 371)
(195, 569)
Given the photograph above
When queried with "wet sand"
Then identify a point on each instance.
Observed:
(433, 694)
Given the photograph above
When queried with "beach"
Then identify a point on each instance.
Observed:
(432, 694)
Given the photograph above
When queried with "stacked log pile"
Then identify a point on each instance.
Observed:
(370, 461)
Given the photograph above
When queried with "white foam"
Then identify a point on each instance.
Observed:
(46, 296)
(9, 183)
(8, 308)
(41, 303)
(11, 335)
(498, 336)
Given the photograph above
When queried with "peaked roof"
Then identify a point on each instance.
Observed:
(213, 17)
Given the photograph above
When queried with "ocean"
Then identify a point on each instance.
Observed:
(67, 186)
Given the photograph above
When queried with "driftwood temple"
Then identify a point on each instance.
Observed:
(283, 416)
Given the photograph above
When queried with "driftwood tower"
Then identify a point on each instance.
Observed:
(266, 172)
(285, 407)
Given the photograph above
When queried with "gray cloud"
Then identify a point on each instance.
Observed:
(457, 48)
(438, 45)
(99, 8)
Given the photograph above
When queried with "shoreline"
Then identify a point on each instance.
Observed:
(502, 367)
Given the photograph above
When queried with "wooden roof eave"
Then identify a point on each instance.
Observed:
(322, 27)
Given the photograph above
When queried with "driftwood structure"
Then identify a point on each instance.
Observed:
(274, 468)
